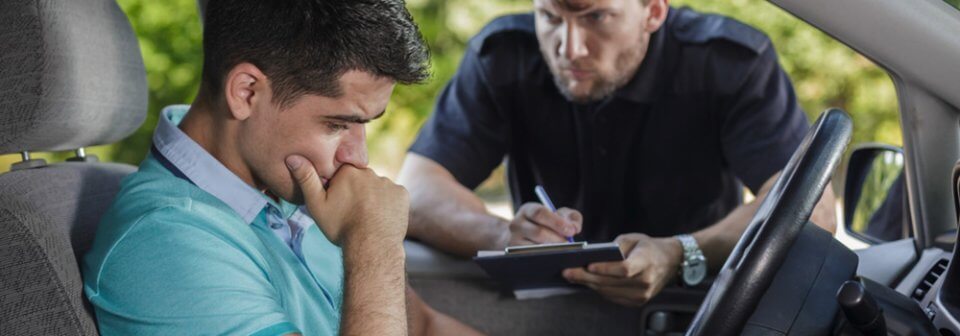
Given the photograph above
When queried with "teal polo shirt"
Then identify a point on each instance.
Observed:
(188, 248)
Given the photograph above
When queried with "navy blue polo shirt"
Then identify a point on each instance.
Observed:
(708, 111)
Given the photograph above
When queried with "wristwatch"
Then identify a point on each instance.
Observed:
(694, 267)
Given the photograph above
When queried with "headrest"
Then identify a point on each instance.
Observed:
(71, 75)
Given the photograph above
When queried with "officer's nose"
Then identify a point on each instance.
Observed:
(353, 147)
(573, 43)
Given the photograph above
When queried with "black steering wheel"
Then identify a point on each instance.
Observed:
(757, 257)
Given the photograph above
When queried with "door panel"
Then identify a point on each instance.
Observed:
(887, 263)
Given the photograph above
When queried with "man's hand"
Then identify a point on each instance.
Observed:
(367, 215)
(649, 264)
(536, 224)
(358, 202)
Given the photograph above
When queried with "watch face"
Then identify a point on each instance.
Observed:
(694, 272)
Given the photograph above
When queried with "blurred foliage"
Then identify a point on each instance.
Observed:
(170, 37)
(825, 72)
(883, 172)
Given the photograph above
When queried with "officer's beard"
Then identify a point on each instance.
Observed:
(627, 63)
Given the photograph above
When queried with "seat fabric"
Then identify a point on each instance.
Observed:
(71, 76)
(49, 216)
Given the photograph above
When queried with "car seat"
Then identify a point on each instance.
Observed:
(71, 76)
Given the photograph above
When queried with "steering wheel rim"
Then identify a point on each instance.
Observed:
(753, 263)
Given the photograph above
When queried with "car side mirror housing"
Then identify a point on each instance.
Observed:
(875, 207)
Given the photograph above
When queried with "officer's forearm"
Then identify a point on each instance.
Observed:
(718, 240)
(446, 215)
(455, 223)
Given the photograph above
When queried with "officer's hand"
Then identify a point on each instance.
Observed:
(649, 264)
(357, 204)
(536, 224)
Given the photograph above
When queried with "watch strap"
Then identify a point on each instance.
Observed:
(690, 246)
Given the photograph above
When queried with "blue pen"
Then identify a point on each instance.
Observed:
(542, 195)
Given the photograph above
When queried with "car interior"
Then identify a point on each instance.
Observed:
(72, 76)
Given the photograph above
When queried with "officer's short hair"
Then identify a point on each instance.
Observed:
(567, 4)
(304, 46)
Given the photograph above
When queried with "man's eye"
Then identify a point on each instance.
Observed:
(336, 127)
(550, 17)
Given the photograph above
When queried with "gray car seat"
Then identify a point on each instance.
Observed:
(71, 76)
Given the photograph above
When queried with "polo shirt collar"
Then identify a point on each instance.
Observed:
(206, 172)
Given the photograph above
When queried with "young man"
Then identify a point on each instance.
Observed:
(208, 236)
(645, 119)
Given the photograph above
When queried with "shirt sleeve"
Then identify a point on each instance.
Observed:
(165, 277)
(763, 123)
(468, 133)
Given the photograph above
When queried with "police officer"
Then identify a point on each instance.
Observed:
(646, 119)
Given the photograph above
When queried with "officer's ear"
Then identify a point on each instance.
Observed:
(656, 14)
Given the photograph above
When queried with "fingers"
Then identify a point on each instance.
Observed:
(527, 231)
(583, 277)
(626, 291)
(646, 268)
(572, 216)
(613, 268)
(359, 204)
(348, 172)
(629, 241)
(540, 215)
(306, 177)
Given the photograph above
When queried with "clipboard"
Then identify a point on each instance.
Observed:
(541, 266)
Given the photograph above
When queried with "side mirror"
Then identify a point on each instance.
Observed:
(875, 207)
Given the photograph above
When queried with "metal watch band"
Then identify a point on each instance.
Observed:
(694, 263)
(690, 246)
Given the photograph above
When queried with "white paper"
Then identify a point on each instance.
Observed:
(494, 253)
(541, 293)
(490, 253)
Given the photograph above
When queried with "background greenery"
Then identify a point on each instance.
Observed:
(884, 171)
(825, 73)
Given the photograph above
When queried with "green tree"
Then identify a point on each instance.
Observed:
(170, 37)
(825, 73)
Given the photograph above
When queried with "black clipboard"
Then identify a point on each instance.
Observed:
(540, 266)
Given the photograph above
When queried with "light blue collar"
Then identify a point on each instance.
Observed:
(207, 172)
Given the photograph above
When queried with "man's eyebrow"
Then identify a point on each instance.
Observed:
(350, 118)
(597, 10)
(572, 5)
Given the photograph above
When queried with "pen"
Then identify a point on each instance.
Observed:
(542, 195)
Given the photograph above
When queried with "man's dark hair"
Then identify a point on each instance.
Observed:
(304, 46)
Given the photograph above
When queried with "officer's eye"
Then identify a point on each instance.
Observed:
(553, 19)
(597, 17)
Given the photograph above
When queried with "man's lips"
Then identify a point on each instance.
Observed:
(578, 74)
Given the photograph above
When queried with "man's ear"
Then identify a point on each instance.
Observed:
(245, 85)
(656, 14)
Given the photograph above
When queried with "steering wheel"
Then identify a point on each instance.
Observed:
(757, 257)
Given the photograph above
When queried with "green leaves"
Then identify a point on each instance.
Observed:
(825, 73)
(170, 37)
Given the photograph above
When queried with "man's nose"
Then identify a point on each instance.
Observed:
(573, 42)
(353, 149)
